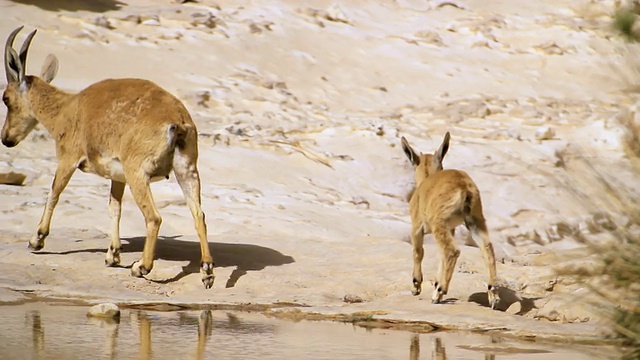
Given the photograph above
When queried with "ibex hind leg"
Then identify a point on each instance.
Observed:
(448, 257)
(478, 228)
(186, 171)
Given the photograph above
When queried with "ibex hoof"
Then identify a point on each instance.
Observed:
(494, 299)
(206, 270)
(436, 298)
(494, 304)
(417, 287)
(36, 244)
(113, 257)
(112, 261)
(138, 270)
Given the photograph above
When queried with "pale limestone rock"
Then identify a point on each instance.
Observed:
(545, 133)
(515, 308)
(12, 178)
(106, 310)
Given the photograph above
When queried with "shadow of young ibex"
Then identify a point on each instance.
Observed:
(508, 297)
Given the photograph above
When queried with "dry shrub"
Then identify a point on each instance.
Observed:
(631, 139)
(615, 279)
(622, 262)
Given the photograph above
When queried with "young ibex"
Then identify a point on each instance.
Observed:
(442, 200)
(130, 131)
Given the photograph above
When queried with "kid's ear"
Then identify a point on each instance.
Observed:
(411, 155)
(49, 68)
(438, 156)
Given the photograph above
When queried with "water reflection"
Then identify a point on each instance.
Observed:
(143, 321)
(37, 332)
(438, 350)
(204, 324)
(206, 334)
(414, 348)
(507, 349)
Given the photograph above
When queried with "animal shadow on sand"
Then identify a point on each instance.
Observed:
(244, 257)
(98, 6)
(507, 298)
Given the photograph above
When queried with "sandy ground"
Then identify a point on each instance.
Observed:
(300, 107)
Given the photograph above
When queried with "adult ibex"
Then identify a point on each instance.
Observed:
(130, 131)
(442, 200)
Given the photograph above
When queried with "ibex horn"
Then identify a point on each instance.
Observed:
(23, 52)
(7, 56)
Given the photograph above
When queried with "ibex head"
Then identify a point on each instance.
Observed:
(20, 117)
(426, 165)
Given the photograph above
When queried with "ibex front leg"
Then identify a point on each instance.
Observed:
(115, 211)
(60, 181)
(417, 242)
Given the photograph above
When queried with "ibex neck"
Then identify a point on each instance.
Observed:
(47, 102)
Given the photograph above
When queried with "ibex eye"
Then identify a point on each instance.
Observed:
(5, 99)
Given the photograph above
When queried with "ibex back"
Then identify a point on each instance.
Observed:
(130, 131)
(442, 200)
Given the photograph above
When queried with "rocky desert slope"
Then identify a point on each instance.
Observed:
(300, 108)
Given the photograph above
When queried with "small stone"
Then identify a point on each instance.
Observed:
(545, 133)
(335, 13)
(12, 178)
(151, 20)
(515, 308)
(604, 221)
(352, 299)
(514, 133)
(550, 285)
(106, 310)
(102, 21)
(133, 18)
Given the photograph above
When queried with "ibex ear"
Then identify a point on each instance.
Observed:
(49, 68)
(412, 155)
(438, 156)
(13, 66)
